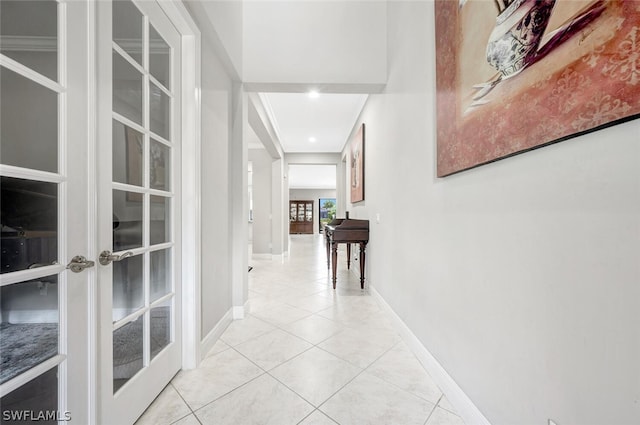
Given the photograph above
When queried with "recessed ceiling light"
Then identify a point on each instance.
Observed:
(312, 139)
(313, 94)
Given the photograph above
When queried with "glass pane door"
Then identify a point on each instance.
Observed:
(33, 186)
(142, 197)
(139, 198)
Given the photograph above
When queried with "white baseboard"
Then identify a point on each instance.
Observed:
(261, 256)
(238, 312)
(212, 337)
(458, 399)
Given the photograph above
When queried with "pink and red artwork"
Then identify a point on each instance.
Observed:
(514, 75)
(356, 158)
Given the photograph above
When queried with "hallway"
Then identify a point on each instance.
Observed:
(305, 355)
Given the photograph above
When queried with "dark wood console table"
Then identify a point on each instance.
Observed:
(344, 230)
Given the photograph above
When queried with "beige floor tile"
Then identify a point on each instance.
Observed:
(263, 401)
(444, 417)
(314, 329)
(360, 350)
(315, 375)
(400, 367)
(243, 330)
(312, 303)
(188, 420)
(261, 303)
(282, 314)
(292, 306)
(445, 404)
(216, 376)
(273, 348)
(369, 400)
(218, 347)
(317, 418)
(167, 408)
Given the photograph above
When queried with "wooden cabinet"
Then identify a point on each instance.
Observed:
(301, 217)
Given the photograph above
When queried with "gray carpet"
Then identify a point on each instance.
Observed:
(25, 345)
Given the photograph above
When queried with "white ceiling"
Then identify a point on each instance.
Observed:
(312, 176)
(329, 118)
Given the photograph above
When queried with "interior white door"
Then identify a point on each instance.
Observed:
(139, 131)
(45, 306)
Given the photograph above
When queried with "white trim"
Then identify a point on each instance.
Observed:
(279, 257)
(161, 193)
(238, 312)
(128, 187)
(463, 404)
(125, 55)
(30, 274)
(92, 210)
(29, 174)
(214, 335)
(30, 374)
(64, 224)
(160, 139)
(30, 74)
(160, 247)
(159, 85)
(191, 199)
(262, 256)
(129, 123)
(128, 319)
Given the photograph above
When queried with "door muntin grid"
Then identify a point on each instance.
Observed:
(33, 183)
(143, 201)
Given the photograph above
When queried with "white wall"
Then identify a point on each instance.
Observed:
(261, 200)
(323, 42)
(521, 277)
(278, 229)
(216, 238)
(221, 22)
(312, 195)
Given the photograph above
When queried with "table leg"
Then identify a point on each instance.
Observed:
(334, 262)
(348, 256)
(327, 243)
(362, 247)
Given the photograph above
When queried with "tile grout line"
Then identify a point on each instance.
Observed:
(352, 379)
(343, 326)
(186, 404)
(434, 409)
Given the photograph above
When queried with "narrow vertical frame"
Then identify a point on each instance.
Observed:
(63, 225)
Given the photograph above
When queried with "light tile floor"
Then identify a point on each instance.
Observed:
(306, 354)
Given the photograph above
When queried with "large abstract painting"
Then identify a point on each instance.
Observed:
(514, 75)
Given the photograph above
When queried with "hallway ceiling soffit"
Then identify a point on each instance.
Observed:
(313, 124)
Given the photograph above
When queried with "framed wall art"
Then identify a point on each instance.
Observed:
(514, 75)
(356, 160)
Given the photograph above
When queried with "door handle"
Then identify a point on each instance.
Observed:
(79, 263)
(106, 257)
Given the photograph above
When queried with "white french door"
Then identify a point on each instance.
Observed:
(69, 196)
(46, 272)
(139, 210)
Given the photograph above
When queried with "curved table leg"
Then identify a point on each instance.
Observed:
(334, 262)
(362, 256)
(327, 243)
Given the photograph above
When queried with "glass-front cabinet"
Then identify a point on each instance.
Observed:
(300, 217)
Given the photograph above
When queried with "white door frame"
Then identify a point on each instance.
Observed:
(191, 199)
(191, 224)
